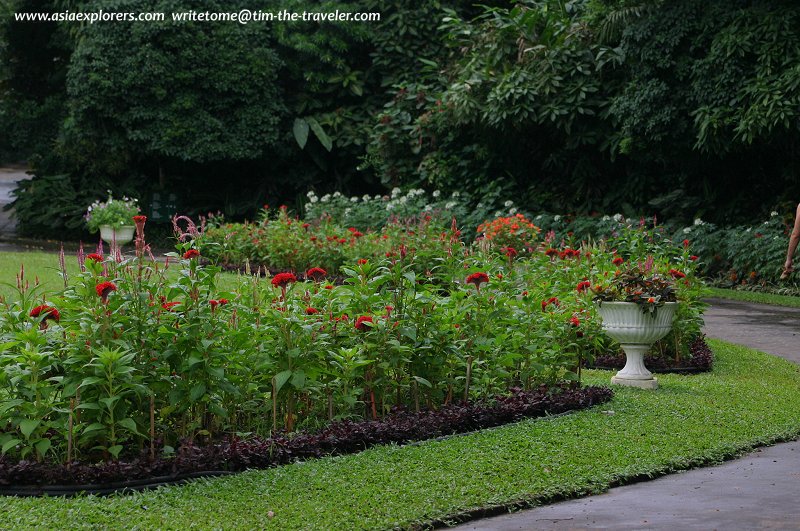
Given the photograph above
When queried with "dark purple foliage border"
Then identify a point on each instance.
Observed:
(345, 437)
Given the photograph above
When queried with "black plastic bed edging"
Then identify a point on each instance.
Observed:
(122, 487)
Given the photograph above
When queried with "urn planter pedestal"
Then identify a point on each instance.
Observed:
(117, 235)
(636, 331)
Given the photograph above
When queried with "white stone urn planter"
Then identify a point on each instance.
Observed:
(119, 235)
(636, 331)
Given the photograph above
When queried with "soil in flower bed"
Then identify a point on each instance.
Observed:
(701, 360)
(345, 437)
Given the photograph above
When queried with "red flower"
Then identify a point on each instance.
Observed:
(104, 288)
(170, 305)
(223, 302)
(552, 300)
(311, 311)
(342, 240)
(551, 252)
(694, 257)
(48, 312)
(583, 286)
(191, 253)
(677, 274)
(361, 323)
(686, 243)
(94, 257)
(389, 309)
(281, 280)
(306, 226)
(316, 273)
(650, 300)
(510, 252)
(617, 261)
(139, 219)
(574, 321)
(362, 261)
(477, 279)
(328, 286)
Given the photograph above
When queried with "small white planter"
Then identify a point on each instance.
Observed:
(636, 331)
(118, 235)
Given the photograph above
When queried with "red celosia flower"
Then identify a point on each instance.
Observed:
(617, 261)
(361, 323)
(583, 286)
(686, 243)
(306, 226)
(48, 312)
(104, 288)
(362, 261)
(282, 280)
(139, 219)
(223, 302)
(650, 300)
(477, 279)
(357, 234)
(213, 303)
(316, 273)
(170, 305)
(311, 311)
(94, 257)
(342, 240)
(574, 321)
(552, 300)
(693, 257)
(551, 252)
(328, 286)
(191, 253)
(677, 274)
(510, 252)
(389, 309)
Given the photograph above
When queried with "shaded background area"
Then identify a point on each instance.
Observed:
(591, 106)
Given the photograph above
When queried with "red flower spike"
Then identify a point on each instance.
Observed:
(104, 288)
(618, 260)
(94, 257)
(169, 305)
(191, 253)
(362, 261)
(48, 312)
(281, 280)
(677, 274)
(583, 286)
(361, 323)
(311, 311)
(477, 279)
(316, 273)
(693, 258)
(574, 321)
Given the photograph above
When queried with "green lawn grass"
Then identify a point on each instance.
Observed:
(755, 296)
(750, 399)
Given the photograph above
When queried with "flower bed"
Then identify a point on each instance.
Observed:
(135, 356)
(700, 359)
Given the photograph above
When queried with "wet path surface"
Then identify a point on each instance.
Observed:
(758, 491)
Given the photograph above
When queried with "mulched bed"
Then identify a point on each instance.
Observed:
(702, 360)
(27, 478)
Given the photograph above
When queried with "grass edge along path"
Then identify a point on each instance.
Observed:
(750, 400)
(754, 296)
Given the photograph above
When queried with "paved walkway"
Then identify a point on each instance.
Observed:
(9, 177)
(758, 491)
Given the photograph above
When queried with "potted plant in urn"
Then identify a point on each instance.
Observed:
(113, 218)
(637, 308)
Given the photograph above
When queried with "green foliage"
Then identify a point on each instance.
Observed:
(194, 92)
